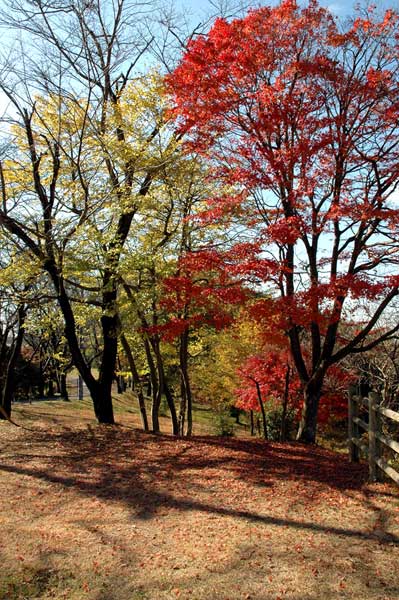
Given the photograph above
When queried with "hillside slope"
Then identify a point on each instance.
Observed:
(110, 513)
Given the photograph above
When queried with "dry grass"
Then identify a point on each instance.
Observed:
(109, 513)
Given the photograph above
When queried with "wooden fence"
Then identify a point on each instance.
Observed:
(76, 388)
(373, 448)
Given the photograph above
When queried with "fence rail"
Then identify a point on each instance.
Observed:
(373, 448)
(77, 388)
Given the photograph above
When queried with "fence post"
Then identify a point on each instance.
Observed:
(374, 445)
(353, 429)
(80, 388)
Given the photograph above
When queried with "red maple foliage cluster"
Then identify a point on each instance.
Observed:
(301, 114)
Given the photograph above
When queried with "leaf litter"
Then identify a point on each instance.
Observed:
(111, 513)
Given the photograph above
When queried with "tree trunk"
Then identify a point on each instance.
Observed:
(156, 403)
(163, 386)
(283, 428)
(50, 388)
(40, 386)
(100, 391)
(262, 408)
(9, 382)
(109, 323)
(251, 417)
(120, 380)
(156, 397)
(186, 395)
(182, 408)
(56, 382)
(171, 404)
(119, 384)
(308, 425)
(136, 381)
(63, 386)
(189, 431)
(102, 402)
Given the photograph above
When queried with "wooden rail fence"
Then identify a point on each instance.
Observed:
(373, 448)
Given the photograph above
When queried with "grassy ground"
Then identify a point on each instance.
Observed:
(109, 513)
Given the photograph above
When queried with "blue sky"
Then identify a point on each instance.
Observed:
(339, 7)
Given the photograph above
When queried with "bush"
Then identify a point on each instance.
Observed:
(224, 426)
(274, 415)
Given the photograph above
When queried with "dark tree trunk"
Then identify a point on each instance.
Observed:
(40, 386)
(182, 408)
(119, 384)
(156, 403)
(102, 402)
(251, 417)
(189, 431)
(9, 381)
(186, 395)
(163, 387)
(156, 397)
(171, 405)
(136, 381)
(262, 408)
(63, 387)
(50, 388)
(100, 391)
(308, 425)
(109, 323)
(283, 428)
(120, 380)
(56, 383)
(7, 396)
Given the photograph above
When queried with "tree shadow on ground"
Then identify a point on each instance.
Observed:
(150, 473)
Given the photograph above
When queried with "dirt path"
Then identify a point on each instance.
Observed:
(113, 514)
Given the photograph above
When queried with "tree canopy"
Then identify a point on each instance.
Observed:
(301, 111)
(256, 182)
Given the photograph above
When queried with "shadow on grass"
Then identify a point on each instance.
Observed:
(149, 473)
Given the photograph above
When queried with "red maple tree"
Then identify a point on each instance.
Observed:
(302, 114)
